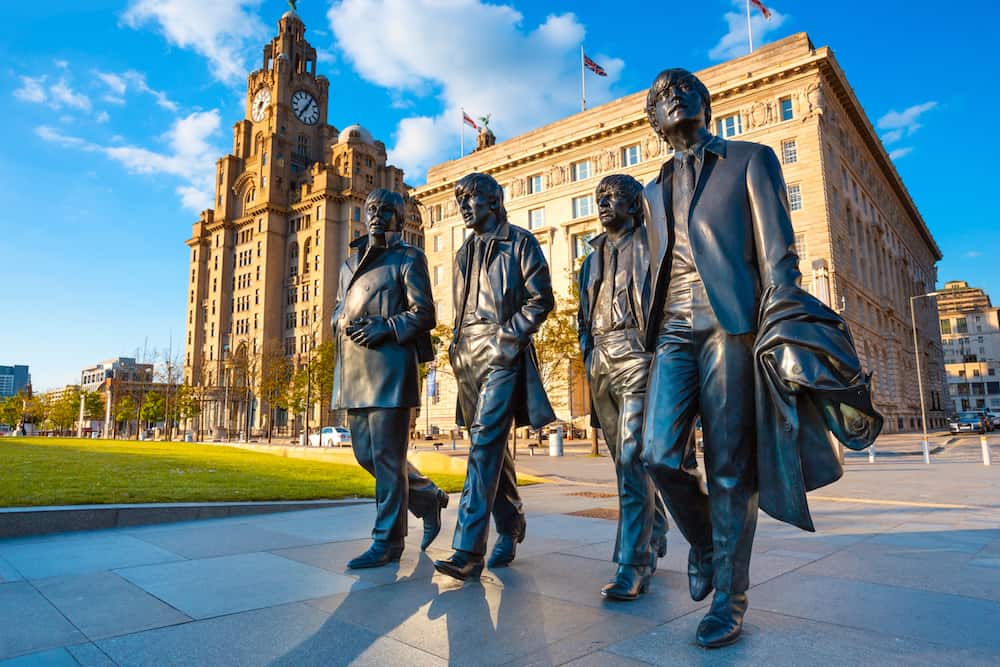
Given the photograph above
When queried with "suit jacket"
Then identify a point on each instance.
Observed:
(590, 280)
(806, 368)
(517, 288)
(739, 228)
(392, 282)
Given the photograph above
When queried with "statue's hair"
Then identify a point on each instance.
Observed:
(394, 198)
(664, 80)
(625, 186)
(479, 183)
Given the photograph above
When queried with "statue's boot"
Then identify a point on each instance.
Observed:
(700, 573)
(378, 554)
(506, 547)
(724, 621)
(461, 565)
(432, 521)
(629, 583)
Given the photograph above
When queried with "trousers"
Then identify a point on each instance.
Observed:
(700, 369)
(380, 437)
(486, 395)
(618, 371)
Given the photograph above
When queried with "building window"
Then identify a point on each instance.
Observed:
(975, 372)
(581, 245)
(946, 327)
(580, 171)
(438, 274)
(583, 206)
(786, 108)
(536, 218)
(729, 126)
(800, 245)
(789, 151)
(437, 243)
(357, 214)
(506, 192)
(962, 325)
(631, 155)
(795, 197)
(535, 184)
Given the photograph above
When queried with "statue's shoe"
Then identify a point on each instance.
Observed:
(432, 522)
(724, 621)
(461, 565)
(700, 573)
(629, 583)
(378, 554)
(506, 547)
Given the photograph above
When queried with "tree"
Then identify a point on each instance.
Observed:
(169, 375)
(125, 409)
(93, 405)
(273, 380)
(153, 408)
(186, 404)
(10, 410)
(65, 410)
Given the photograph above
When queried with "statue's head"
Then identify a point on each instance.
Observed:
(480, 200)
(677, 98)
(385, 211)
(619, 200)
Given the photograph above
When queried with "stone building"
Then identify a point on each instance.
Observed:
(864, 248)
(123, 369)
(970, 335)
(264, 261)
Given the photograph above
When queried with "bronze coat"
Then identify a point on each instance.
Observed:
(395, 284)
(517, 288)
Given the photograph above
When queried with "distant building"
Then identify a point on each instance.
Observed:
(13, 379)
(123, 369)
(863, 246)
(970, 336)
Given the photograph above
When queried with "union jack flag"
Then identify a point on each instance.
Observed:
(592, 66)
(468, 121)
(763, 10)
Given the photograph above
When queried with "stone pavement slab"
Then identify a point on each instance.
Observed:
(28, 622)
(77, 553)
(215, 586)
(102, 604)
(195, 540)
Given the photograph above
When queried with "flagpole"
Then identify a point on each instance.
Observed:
(749, 27)
(583, 82)
(462, 121)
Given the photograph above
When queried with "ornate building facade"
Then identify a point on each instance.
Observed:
(864, 248)
(264, 261)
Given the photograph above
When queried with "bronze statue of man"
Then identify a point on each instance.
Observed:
(769, 368)
(382, 321)
(502, 294)
(614, 305)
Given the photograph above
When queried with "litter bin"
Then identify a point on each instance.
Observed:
(556, 442)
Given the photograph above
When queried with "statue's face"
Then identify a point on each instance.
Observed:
(477, 210)
(613, 209)
(380, 215)
(679, 104)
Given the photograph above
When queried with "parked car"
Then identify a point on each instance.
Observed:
(331, 436)
(969, 422)
(991, 420)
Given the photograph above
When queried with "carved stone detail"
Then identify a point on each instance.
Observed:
(812, 103)
(517, 187)
(556, 176)
(759, 114)
(651, 147)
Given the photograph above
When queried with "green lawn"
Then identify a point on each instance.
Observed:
(68, 471)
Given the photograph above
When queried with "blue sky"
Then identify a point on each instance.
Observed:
(116, 111)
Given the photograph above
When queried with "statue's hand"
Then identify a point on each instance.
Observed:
(373, 333)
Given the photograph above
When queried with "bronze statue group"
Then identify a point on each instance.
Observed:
(690, 306)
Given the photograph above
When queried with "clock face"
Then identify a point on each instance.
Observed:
(305, 108)
(260, 102)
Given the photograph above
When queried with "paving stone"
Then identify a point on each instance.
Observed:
(224, 539)
(478, 623)
(53, 556)
(8, 572)
(103, 604)
(333, 557)
(605, 659)
(777, 640)
(29, 623)
(88, 655)
(57, 657)
(293, 635)
(572, 528)
(901, 612)
(214, 586)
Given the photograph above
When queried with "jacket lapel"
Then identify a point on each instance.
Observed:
(596, 274)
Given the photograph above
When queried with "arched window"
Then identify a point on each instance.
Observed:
(258, 143)
(305, 256)
(251, 195)
(302, 148)
(293, 260)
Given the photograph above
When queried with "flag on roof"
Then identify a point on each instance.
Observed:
(763, 10)
(467, 119)
(592, 66)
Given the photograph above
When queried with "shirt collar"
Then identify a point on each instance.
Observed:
(712, 143)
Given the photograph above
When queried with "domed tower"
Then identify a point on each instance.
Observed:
(266, 259)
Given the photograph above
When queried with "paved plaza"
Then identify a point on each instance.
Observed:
(904, 569)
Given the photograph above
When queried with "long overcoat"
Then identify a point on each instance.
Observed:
(392, 282)
(517, 287)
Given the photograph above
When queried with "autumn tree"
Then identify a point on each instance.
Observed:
(124, 411)
(274, 379)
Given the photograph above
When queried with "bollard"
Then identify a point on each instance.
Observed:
(871, 453)
(556, 442)
(927, 452)
(986, 449)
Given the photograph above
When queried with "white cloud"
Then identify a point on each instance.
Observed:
(102, 117)
(900, 152)
(190, 157)
(119, 84)
(31, 90)
(61, 94)
(466, 53)
(735, 43)
(903, 123)
(61, 64)
(972, 254)
(220, 30)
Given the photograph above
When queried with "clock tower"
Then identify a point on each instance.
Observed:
(266, 258)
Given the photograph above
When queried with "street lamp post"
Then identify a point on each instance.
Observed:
(920, 377)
